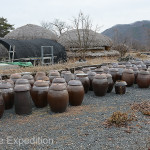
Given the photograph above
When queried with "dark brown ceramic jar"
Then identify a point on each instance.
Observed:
(85, 81)
(58, 98)
(8, 94)
(128, 77)
(100, 84)
(110, 83)
(76, 92)
(39, 93)
(2, 105)
(53, 75)
(68, 77)
(23, 104)
(60, 81)
(39, 74)
(91, 76)
(114, 73)
(120, 87)
(143, 79)
(15, 76)
(29, 78)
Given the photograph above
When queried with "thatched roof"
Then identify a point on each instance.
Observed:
(31, 31)
(69, 39)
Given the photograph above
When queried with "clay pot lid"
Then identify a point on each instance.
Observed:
(26, 73)
(144, 72)
(99, 69)
(75, 83)
(113, 70)
(63, 72)
(54, 74)
(122, 66)
(45, 78)
(78, 72)
(57, 87)
(100, 76)
(58, 80)
(86, 69)
(41, 83)
(120, 83)
(15, 76)
(28, 77)
(5, 85)
(108, 75)
(21, 88)
(81, 75)
(22, 81)
(53, 71)
(90, 73)
(128, 71)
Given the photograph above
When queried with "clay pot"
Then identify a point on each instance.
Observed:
(11, 82)
(8, 94)
(128, 76)
(23, 82)
(99, 70)
(76, 92)
(106, 69)
(91, 76)
(68, 77)
(100, 84)
(120, 71)
(110, 83)
(53, 75)
(120, 87)
(63, 72)
(15, 76)
(85, 81)
(143, 79)
(25, 73)
(2, 106)
(60, 81)
(86, 70)
(29, 78)
(114, 73)
(39, 93)
(135, 70)
(23, 104)
(58, 98)
(39, 74)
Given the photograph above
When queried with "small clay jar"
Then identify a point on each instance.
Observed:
(86, 70)
(39, 74)
(23, 82)
(110, 83)
(29, 78)
(39, 93)
(114, 73)
(106, 69)
(23, 104)
(84, 80)
(2, 105)
(63, 72)
(128, 77)
(143, 79)
(99, 70)
(120, 87)
(100, 84)
(15, 76)
(53, 75)
(58, 98)
(68, 76)
(91, 76)
(76, 92)
(60, 81)
(8, 94)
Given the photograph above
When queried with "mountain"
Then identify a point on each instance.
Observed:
(137, 33)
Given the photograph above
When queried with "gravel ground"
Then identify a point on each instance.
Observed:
(80, 127)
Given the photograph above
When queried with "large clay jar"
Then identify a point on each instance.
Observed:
(8, 94)
(58, 98)
(23, 104)
(39, 93)
(128, 76)
(86, 70)
(143, 79)
(100, 84)
(120, 71)
(114, 73)
(23, 82)
(29, 78)
(78, 72)
(60, 81)
(120, 87)
(2, 105)
(15, 76)
(53, 75)
(85, 81)
(68, 76)
(106, 69)
(76, 92)
(91, 76)
(99, 70)
(110, 83)
(39, 74)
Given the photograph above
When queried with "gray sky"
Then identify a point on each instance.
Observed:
(105, 13)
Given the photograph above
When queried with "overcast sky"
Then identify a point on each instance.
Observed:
(105, 13)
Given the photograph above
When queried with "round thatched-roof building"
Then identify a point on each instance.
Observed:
(70, 39)
(30, 31)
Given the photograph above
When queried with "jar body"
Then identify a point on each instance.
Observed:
(58, 100)
(2, 106)
(114, 75)
(100, 86)
(76, 95)
(39, 96)
(120, 89)
(129, 78)
(110, 85)
(23, 104)
(143, 80)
